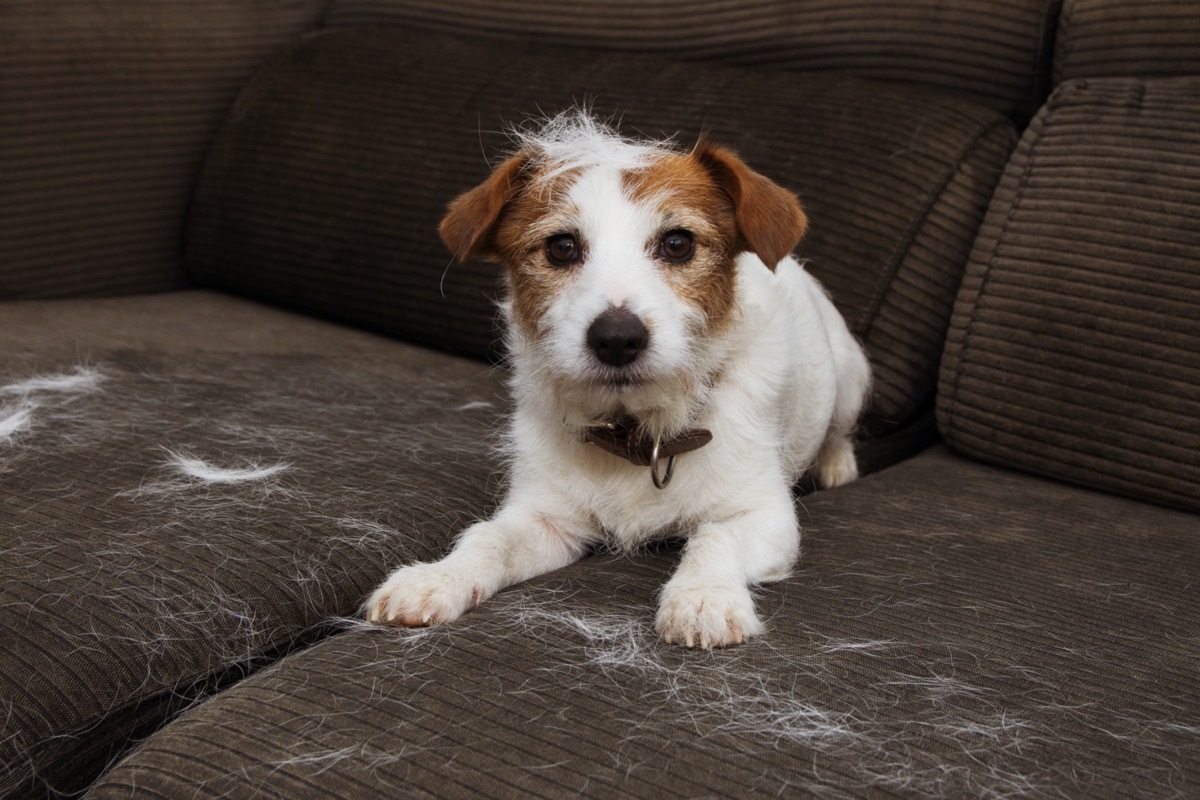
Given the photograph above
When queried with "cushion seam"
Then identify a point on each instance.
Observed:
(1068, 43)
(904, 248)
(969, 329)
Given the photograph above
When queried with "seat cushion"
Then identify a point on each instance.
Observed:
(1075, 345)
(193, 484)
(953, 630)
(323, 190)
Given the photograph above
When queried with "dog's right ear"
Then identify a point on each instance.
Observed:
(471, 217)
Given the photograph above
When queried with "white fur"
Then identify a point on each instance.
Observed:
(780, 388)
(82, 380)
(14, 419)
(576, 140)
(207, 473)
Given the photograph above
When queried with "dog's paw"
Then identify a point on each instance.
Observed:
(836, 463)
(707, 616)
(421, 595)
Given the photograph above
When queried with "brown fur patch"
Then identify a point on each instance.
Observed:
(769, 218)
(471, 217)
(686, 197)
(531, 218)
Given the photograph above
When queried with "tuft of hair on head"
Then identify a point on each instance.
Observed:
(576, 139)
(544, 148)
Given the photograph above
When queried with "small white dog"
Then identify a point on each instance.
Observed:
(654, 316)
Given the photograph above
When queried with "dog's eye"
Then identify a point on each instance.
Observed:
(677, 246)
(562, 250)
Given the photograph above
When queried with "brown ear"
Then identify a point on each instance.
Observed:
(769, 217)
(471, 217)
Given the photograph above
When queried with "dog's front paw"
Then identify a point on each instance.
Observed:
(423, 594)
(707, 616)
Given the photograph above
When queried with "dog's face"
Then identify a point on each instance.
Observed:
(621, 263)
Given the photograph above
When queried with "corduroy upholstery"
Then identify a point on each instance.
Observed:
(130, 587)
(1149, 38)
(323, 190)
(1073, 350)
(1003, 636)
(105, 112)
(995, 50)
(194, 487)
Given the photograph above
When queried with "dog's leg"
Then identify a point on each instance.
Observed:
(836, 462)
(517, 544)
(707, 602)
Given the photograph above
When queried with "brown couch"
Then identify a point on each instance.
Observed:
(241, 381)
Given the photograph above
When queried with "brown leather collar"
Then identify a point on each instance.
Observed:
(623, 439)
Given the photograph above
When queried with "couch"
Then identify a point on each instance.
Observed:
(241, 381)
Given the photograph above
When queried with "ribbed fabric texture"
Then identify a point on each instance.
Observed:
(953, 630)
(138, 571)
(105, 112)
(992, 48)
(1113, 38)
(323, 190)
(1074, 349)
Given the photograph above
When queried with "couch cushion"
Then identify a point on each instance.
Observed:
(953, 630)
(1100, 38)
(1075, 346)
(994, 49)
(192, 484)
(107, 108)
(323, 189)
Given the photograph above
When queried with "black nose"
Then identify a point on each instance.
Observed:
(617, 337)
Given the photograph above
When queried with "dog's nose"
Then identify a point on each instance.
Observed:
(617, 337)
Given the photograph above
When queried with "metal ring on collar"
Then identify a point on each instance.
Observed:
(660, 482)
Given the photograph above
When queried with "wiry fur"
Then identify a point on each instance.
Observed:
(751, 349)
(576, 140)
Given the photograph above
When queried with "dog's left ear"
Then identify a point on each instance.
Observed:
(471, 217)
(769, 217)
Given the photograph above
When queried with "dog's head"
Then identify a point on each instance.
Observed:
(621, 258)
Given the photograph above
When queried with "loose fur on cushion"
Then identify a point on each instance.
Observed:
(652, 302)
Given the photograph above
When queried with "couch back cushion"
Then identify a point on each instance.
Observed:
(323, 190)
(1147, 38)
(1074, 349)
(993, 49)
(105, 111)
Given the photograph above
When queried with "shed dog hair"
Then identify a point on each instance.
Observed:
(659, 334)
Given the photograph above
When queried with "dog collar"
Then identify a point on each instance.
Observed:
(623, 439)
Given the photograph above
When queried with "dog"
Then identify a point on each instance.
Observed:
(674, 370)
